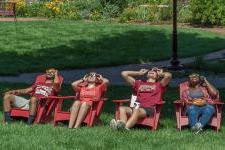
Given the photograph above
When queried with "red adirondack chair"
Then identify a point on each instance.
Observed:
(182, 118)
(91, 118)
(151, 121)
(44, 108)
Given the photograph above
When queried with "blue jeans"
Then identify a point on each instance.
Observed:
(201, 114)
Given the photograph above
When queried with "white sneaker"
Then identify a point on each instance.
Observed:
(113, 124)
(198, 128)
(199, 131)
(121, 125)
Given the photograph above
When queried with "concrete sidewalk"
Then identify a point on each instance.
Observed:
(113, 73)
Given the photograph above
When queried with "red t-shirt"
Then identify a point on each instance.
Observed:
(43, 90)
(148, 93)
(91, 94)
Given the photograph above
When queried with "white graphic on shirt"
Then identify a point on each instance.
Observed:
(43, 90)
(146, 88)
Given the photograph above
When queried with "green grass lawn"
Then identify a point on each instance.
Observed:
(33, 46)
(19, 136)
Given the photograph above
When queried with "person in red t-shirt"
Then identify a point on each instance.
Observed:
(90, 88)
(12, 98)
(146, 94)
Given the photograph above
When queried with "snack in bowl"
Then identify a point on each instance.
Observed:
(199, 102)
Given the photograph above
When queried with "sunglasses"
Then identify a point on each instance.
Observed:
(50, 71)
(194, 76)
(93, 75)
(155, 69)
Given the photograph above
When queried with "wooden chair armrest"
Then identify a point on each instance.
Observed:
(160, 103)
(216, 102)
(105, 99)
(121, 101)
(59, 97)
(179, 101)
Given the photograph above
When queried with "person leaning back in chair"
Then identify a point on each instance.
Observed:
(147, 94)
(196, 97)
(37, 90)
(90, 88)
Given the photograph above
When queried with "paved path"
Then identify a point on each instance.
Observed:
(21, 19)
(113, 73)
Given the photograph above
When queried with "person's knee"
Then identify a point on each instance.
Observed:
(33, 101)
(136, 113)
(191, 110)
(209, 109)
(85, 105)
(8, 97)
(76, 103)
(122, 109)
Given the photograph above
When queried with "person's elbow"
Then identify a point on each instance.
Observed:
(124, 74)
(168, 75)
(215, 94)
(73, 85)
(106, 81)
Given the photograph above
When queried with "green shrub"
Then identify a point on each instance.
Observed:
(95, 15)
(195, 11)
(127, 15)
(138, 14)
(146, 13)
(31, 10)
(111, 11)
(184, 14)
(208, 12)
(120, 4)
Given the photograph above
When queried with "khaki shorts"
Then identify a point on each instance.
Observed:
(21, 102)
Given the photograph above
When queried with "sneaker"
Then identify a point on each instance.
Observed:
(198, 125)
(194, 128)
(113, 124)
(120, 125)
(127, 129)
(198, 128)
(199, 131)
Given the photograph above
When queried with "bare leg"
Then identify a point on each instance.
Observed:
(74, 112)
(125, 112)
(82, 114)
(137, 114)
(33, 106)
(32, 110)
(7, 100)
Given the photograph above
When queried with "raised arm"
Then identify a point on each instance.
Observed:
(129, 75)
(211, 89)
(104, 80)
(76, 83)
(166, 77)
(56, 82)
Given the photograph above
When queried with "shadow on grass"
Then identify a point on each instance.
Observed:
(106, 50)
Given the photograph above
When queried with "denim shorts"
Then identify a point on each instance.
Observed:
(149, 111)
